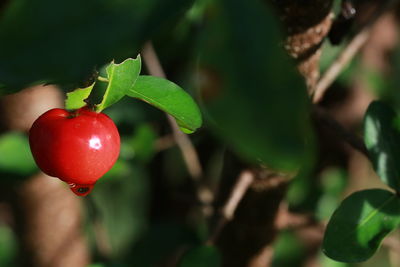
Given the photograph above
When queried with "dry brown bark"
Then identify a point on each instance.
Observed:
(47, 216)
(306, 24)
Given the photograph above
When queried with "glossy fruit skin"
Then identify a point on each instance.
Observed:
(78, 147)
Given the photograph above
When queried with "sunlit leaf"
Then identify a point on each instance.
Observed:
(75, 99)
(120, 80)
(359, 224)
(170, 98)
(382, 138)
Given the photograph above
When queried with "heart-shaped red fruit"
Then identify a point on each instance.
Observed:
(78, 147)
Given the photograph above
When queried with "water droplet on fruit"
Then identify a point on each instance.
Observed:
(81, 189)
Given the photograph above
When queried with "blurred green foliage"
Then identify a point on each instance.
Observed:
(123, 223)
(15, 156)
(170, 98)
(225, 52)
(317, 195)
(201, 256)
(8, 247)
(45, 41)
(288, 251)
(253, 96)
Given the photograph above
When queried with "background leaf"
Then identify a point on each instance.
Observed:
(382, 138)
(253, 95)
(159, 241)
(142, 143)
(124, 183)
(288, 250)
(44, 41)
(15, 155)
(121, 78)
(359, 224)
(8, 246)
(170, 98)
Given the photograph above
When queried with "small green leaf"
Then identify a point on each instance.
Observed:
(359, 224)
(201, 256)
(170, 98)
(382, 139)
(121, 78)
(15, 155)
(76, 98)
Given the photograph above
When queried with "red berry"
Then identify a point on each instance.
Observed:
(78, 147)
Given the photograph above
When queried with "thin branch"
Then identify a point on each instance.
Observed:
(353, 140)
(164, 142)
(243, 183)
(185, 145)
(348, 53)
(338, 65)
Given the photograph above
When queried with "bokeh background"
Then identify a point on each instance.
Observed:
(150, 209)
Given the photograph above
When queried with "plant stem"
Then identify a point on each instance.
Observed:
(189, 152)
(353, 140)
(243, 183)
(349, 52)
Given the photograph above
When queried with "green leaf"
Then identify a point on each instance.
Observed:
(170, 98)
(76, 98)
(16, 157)
(360, 223)
(43, 43)
(382, 138)
(120, 78)
(327, 262)
(252, 93)
(201, 256)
